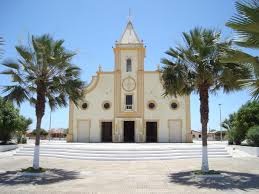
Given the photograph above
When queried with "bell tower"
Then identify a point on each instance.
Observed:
(129, 55)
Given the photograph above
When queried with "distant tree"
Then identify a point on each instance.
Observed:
(228, 124)
(252, 136)
(43, 74)
(43, 132)
(246, 25)
(23, 126)
(10, 121)
(239, 123)
(195, 67)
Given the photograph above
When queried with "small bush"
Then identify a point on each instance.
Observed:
(23, 140)
(253, 136)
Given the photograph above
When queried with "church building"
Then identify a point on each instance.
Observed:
(127, 104)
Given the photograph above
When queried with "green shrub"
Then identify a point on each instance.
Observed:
(21, 140)
(24, 140)
(253, 136)
(240, 122)
(11, 122)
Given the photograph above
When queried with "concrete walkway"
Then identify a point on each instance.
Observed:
(241, 175)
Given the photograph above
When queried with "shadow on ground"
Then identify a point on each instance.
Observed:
(52, 176)
(230, 180)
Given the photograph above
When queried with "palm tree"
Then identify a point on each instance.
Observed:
(195, 67)
(246, 25)
(43, 74)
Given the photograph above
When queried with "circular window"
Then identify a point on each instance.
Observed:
(151, 105)
(84, 105)
(106, 105)
(174, 105)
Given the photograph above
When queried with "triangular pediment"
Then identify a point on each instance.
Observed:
(129, 35)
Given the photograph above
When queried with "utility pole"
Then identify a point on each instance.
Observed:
(220, 122)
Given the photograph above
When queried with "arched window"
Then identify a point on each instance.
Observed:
(128, 65)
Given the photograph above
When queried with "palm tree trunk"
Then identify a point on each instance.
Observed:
(36, 156)
(40, 110)
(204, 111)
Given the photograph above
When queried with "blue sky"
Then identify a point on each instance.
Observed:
(91, 28)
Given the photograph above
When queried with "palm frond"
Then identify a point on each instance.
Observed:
(236, 56)
(246, 23)
(11, 64)
(1, 44)
(16, 93)
(253, 86)
(25, 53)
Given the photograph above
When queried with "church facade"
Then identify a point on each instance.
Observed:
(127, 104)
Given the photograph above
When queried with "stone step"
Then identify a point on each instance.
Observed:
(122, 158)
(120, 151)
(123, 154)
(123, 149)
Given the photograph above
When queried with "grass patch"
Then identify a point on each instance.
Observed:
(32, 170)
(210, 172)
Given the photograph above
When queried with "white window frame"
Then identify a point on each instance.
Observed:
(129, 107)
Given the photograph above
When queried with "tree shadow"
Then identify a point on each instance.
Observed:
(52, 176)
(229, 180)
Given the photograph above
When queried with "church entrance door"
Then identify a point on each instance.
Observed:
(129, 131)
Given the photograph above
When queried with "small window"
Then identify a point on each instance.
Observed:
(199, 136)
(193, 136)
(174, 105)
(151, 105)
(84, 105)
(106, 105)
(128, 65)
(129, 101)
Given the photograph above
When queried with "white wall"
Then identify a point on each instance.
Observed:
(153, 91)
(104, 91)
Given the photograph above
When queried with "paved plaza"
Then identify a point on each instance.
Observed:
(241, 175)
